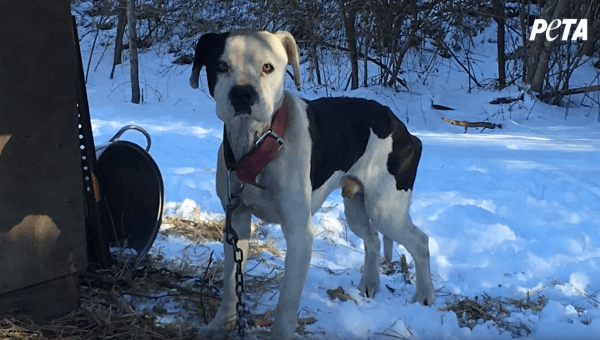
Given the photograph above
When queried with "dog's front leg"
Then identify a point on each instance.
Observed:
(226, 317)
(296, 225)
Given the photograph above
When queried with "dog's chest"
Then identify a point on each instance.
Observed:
(265, 204)
(261, 204)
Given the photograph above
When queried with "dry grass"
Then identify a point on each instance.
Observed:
(10, 330)
(474, 311)
(110, 306)
(157, 299)
(197, 228)
(201, 228)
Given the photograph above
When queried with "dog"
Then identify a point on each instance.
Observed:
(356, 144)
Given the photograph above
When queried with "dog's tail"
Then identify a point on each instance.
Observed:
(351, 186)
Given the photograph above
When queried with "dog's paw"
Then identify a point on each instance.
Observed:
(275, 335)
(369, 286)
(426, 298)
(283, 328)
(210, 332)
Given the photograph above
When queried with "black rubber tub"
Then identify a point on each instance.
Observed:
(133, 187)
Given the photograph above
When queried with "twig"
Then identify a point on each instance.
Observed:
(153, 297)
(87, 71)
(399, 336)
(449, 50)
(202, 287)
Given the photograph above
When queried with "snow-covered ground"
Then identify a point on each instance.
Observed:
(511, 212)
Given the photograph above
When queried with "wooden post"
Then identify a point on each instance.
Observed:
(42, 221)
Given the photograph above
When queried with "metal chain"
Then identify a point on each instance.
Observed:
(231, 237)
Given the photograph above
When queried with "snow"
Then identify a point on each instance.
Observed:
(511, 212)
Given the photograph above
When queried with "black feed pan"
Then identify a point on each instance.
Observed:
(133, 187)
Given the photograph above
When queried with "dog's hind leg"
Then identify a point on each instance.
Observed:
(388, 247)
(358, 221)
(388, 212)
(416, 243)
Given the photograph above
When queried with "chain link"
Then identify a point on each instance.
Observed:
(231, 237)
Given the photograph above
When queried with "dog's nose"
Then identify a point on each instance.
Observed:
(242, 97)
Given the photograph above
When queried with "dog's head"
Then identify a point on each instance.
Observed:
(246, 71)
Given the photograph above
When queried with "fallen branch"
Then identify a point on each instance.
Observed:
(570, 92)
(507, 100)
(465, 124)
(440, 107)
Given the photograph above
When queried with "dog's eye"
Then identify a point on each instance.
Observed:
(222, 67)
(268, 68)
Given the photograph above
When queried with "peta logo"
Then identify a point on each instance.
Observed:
(540, 25)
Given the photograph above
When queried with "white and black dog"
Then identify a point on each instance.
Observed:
(356, 144)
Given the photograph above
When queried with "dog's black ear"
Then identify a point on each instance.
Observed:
(199, 56)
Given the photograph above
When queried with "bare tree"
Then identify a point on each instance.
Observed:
(523, 18)
(133, 55)
(591, 14)
(541, 48)
(348, 10)
(122, 20)
(499, 17)
(399, 54)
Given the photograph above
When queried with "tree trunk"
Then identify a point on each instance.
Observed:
(410, 42)
(500, 42)
(351, 37)
(593, 11)
(133, 55)
(315, 61)
(407, 45)
(523, 18)
(348, 16)
(538, 44)
(122, 15)
(365, 63)
(538, 72)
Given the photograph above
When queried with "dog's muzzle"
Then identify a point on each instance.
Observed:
(242, 97)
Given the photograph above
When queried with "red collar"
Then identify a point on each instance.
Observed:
(252, 163)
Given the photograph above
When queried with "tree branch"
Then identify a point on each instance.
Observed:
(360, 55)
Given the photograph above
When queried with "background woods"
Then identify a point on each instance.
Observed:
(374, 42)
